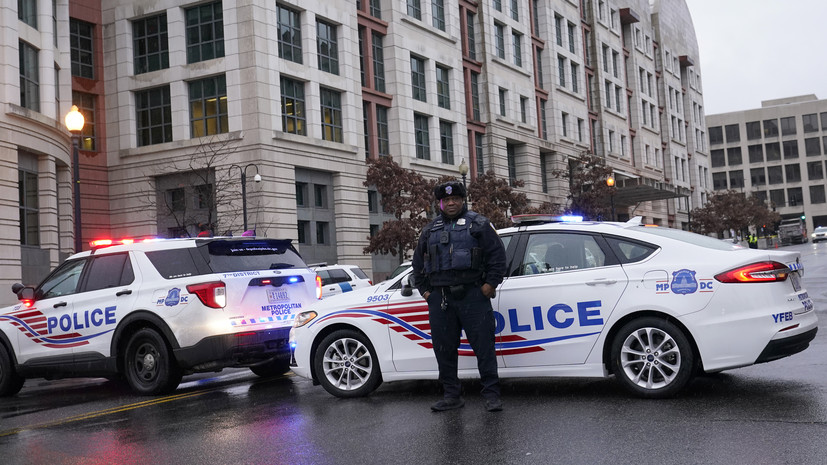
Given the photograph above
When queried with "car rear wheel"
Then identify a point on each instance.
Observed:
(652, 358)
(148, 364)
(346, 364)
(275, 367)
(10, 381)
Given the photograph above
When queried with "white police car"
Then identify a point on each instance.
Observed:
(153, 311)
(338, 279)
(650, 305)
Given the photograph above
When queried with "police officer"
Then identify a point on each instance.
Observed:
(753, 241)
(457, 265)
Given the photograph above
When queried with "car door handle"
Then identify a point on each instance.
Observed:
(123, 292)
(597, 281)
(59, 304)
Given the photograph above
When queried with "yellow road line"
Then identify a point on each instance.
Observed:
(109, 411)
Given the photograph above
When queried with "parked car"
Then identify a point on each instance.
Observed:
(154, 311)
(338, 279)
(650, 305)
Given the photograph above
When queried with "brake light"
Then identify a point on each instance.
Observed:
(755, 273)
(318, 287)
(212, 294)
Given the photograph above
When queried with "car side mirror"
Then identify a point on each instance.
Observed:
(26, 294)
(407, 286)
(16, 287)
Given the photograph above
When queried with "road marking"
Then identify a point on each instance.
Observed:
(109, 411)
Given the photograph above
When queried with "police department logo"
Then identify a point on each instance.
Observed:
(684, 282)
(449, 189)
(173, 297)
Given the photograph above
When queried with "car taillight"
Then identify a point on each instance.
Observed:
(318, 287)
(755, 273)
(212, 294)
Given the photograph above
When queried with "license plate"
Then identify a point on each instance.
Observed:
(277, 295)
(796, 281)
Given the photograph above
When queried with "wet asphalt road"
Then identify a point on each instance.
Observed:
(765, 414)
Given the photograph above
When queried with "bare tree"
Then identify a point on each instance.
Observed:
(589, 195)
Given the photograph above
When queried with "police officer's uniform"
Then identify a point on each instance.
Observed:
(452, 261)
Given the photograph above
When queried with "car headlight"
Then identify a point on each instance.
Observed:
(304, 318)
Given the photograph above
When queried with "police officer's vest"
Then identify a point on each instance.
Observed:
(452, 246)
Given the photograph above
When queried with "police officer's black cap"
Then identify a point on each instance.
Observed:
(448, 189)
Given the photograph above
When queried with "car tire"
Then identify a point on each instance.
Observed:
(652, 358)
(346, 364)
(10, 381)
(275, 367)
(149, 366)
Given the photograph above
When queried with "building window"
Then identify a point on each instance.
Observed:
(793, 172)
(561, 70)
(176, 199)
(331, 115)
(499, 40)
(208, 106)
(716, 135)
(511, 155)
(502, 95)
(376, 9)
(539, 70)
(815, 171)
(773, 151)
(289, 34)
(27, 12)
(574, 73)
(478, 151)
(320, 195)
(446, 142)
(757, 176)
(498, 5)
(523, 109)
(775, 175)
(327, 47)
(756, 153)
(86, 105)
(301, 194)
(736, 179)
(543, 120)
(80, 43)
(443, 90)
(777, 198)
(154, 116)
(418, 79)
(717, 159)
(29, 77)
(29, 209)
(733, 133)
(558, 30)
(810, 122)
(475, 96)
(795, 196)
(149, 42)
(817, 194)
(515, 10)
(812, 146)
(438, 13)
(373, 201)
(422, 137)
(572, 43)
(770, 128)
(790, 149)
(382, 130)
(564, 121)
(414, 9)
(472, 37)
(378, 62)
(518, 48)
(543, 173)
(788, 126)
(719, 181)
(293, 116)
(733, 155)
(753, 130)
(205, 32)
(304, 231)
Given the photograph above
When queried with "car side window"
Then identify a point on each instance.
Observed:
(630, 251)
(111, 270)
(63, 281)
(359, 273)
(339, 276)
(556, 252)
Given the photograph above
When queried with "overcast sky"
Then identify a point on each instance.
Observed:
(754, 50)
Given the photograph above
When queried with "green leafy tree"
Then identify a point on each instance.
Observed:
(589, 195)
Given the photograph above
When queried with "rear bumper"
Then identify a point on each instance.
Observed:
(780, 348)
(241, 349)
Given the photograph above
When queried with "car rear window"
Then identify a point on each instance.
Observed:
(359, 273)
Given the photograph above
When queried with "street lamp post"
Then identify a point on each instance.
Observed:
(74, 123)
(463, 170)
(610, 181)
(256, 178)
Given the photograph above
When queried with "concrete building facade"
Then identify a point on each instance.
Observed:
(186, 99)
(776, 152)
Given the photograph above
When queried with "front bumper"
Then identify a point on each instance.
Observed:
(780, 348)
(240, 349)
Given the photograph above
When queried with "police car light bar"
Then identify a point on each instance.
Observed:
(543, 218)
(101, 243)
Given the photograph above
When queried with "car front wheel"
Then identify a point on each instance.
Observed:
(346, 364)
(652, 358)
(148, 364)
(10, 381)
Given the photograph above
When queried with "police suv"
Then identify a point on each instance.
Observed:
(650, 305)
(153, 311)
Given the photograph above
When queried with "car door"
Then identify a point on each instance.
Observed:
(107, 293)
(554, 306)
(331, 282)
(46, 329)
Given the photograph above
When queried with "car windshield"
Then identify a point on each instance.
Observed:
(821, 229)
(399, 270)
(689, 237)
(258, 254)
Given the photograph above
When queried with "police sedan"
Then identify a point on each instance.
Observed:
(651, 306)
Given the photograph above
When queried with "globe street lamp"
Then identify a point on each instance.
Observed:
(256, 178)
(610, 181)
(74, 123)
(463, 170)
